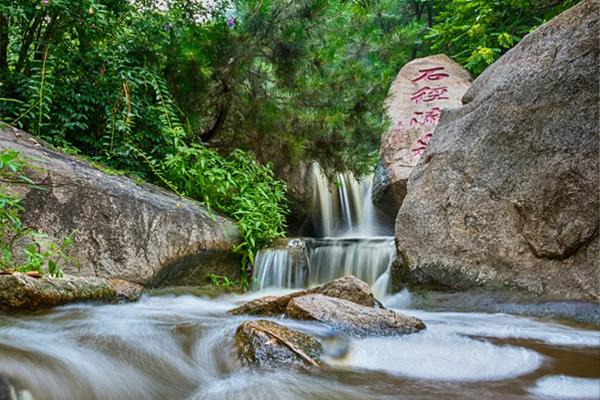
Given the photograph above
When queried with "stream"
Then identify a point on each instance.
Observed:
(170, 346)
(180, 347)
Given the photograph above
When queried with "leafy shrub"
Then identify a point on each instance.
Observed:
(477, 32)
(235, 185)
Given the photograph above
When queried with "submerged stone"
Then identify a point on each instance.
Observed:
(126, 291)
(266, 344)
(351, 318)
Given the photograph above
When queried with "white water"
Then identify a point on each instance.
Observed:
(344, 208)
(181, 347)
(566, 387)
(353, 238)
(275, 268)
(324, 260)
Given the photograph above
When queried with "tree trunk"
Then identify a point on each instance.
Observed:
(223, 107)
(27, 40)
(3, 43)
(429, 14)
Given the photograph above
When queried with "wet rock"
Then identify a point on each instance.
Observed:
(265, 344)
(423, 88)
(351, 318)
(11, 389)
(126, 291)
(348, 288)
(300, 195)
(123, 229)
(19, 292)
(506, 195)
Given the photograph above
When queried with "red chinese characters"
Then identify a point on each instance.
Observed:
(421, 144)
(429, 117)
(431, 74)
(424, 95)
(427, 94)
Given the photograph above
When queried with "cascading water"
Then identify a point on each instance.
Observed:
(345, 208)
(352, 238)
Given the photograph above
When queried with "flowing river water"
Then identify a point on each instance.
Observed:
(181, 346)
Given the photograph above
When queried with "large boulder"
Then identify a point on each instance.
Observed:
(351, 318)
(506, 194)
(423, 88)
(123, 229)
(266, 344)
(347, 288)
(20, 292)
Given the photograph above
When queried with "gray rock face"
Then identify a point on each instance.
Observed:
(265, 344)
(348, 288)
(138, 233)
(422, 90)
(506, 194)
(352, 318)
(300, 195)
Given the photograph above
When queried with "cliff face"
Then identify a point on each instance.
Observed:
(125, 230)
(506, 194)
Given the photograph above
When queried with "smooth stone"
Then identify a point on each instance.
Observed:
(351, 318)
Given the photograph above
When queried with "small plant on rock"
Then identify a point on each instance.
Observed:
(23, 249)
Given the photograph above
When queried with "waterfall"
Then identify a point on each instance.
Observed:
(273, 269)
(348, 210)
(323, 203)
(352, 238)
(368, 259)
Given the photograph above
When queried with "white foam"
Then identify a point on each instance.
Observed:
(566, 387)
(400, 300)
(441, 356)
(505, 326)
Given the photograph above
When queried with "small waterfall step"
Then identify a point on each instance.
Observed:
(353, 238)
(310, 262)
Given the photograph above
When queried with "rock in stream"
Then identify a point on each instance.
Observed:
(266, 344)
(351, 318)
(348, 288)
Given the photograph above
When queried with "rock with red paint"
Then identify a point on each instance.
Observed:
(506, 195)
(421, 91)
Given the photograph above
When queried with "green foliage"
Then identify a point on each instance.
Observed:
(236, 184)
(477, 32)
(209, 98)
(287, 81)
(23, 249)
(224, 282)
